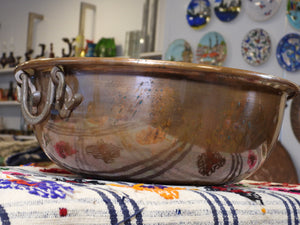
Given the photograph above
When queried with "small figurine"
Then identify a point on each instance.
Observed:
(10, 93)
(11, 61)
(51, 54)
(70, 46)
(43, 46)
(3, 60)
(28, 54)
(18, 60)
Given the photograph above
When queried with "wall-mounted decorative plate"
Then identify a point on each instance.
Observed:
(288, 52)
(293, 13)
(227, 10)
(211, 49)
(261, 10)
(256, 47)
(198, 13)
(179, 50)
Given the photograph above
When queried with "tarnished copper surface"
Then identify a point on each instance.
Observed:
(272, 172)
(295, 116)
(161, 122)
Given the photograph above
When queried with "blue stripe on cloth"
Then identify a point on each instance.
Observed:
(4, 216)
(212, 207)
(125, 211)
(122, 205)
(223, 210)
(288, 198)
(298, 202)
(288, 211)
(131, 216)
(232, 209)
(126, 215)
(110, 206)
(137, 211)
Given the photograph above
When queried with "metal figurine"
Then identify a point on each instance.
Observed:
(70, 47)
(43, 46)
(3, 60)
(28, 54)
(18, 60)
(11, 61)
(51, 54)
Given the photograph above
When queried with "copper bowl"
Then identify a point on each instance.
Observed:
(152, 121)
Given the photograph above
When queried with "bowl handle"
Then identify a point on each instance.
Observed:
(65, 100)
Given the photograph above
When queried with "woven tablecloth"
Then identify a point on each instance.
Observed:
(36, 195)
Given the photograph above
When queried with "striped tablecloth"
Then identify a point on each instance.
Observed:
(36, 195)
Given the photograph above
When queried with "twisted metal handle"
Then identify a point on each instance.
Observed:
(58, 91)
(66, 101)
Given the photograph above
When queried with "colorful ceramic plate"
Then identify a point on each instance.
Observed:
(227, 10)
(179, 50)
(261, 10)
(211, 49)
(288, 52)
(256, 47)
(198, 13)
(293, 13)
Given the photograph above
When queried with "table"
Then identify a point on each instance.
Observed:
(38, 195)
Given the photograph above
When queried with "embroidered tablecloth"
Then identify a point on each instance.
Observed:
(36, 195)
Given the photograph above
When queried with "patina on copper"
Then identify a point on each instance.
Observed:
(295, 116)
(157, 121)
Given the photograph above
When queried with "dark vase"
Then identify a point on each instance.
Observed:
(11, 61)
(3, 60)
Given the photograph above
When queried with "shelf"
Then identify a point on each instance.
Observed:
(17, 137)
(9, 103)
(7, 70)
(25, 137)
(146, 55)
(151, 55)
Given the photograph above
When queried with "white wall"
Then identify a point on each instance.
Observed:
(176, 27)
(233, 32)
(61, 19)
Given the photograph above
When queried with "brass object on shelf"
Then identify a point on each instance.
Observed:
(31, 18)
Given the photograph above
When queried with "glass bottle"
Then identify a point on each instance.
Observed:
(51, 54)
(10, 93)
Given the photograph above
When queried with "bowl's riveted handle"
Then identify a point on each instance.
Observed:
(58, 91)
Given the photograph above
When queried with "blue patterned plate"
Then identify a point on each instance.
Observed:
(198, 13)
(212, 49)
(293, 13)
(256, 47)
(261, 10)
(288, 52)
(179, 50)
(227, 10)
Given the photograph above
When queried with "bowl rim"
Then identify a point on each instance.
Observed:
(175, 68)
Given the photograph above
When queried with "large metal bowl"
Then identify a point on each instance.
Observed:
(152, 121)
